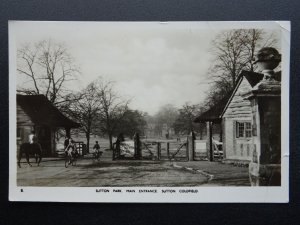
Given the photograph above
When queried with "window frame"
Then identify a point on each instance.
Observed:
(245, 130)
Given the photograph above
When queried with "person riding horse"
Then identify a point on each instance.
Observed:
(31, 148)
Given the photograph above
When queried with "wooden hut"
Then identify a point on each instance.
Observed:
(237, 121)
(230, 121)
(36, 112)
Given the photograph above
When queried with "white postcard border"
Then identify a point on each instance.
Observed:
(183, 194)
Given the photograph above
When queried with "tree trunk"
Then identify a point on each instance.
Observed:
(110, 141)
(88, 143)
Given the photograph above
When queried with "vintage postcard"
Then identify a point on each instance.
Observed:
(149, 111)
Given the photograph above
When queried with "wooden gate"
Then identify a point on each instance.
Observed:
(80, 146)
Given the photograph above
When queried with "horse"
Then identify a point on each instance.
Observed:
(30, 149)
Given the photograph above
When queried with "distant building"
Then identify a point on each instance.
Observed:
(37, 113)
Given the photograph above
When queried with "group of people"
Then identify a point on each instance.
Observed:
(69, 145)
(70, 148)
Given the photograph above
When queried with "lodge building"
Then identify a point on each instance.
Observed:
(37, 113)
(229, 122)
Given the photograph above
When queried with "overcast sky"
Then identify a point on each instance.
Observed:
(152, 63)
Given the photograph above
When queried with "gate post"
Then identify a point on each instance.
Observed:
(158, 150)
(191, 146)
(265, 98)
(209, 142)
(187, 148)
(117, 150)
(168, 150)
(137, 146)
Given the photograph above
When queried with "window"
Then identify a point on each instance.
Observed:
(248, 130)
(243, 130)
(19, 132)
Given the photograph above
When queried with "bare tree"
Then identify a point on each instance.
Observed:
(46, 67)
(99, 110)
(132, 122)
(184, 122)
(166, 116)
(84, 107)
(233, 52)
(229, 58)
(113, 108)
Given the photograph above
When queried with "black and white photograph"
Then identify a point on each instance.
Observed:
(149, 111)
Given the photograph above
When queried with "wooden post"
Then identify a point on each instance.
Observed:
(68, 132)
(211, 152)
(53, 142)
(137, 146)
(190, 146)
(158, 150)
(168, 150)
(187, 148)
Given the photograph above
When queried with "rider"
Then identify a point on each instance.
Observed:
(70, 148)
(32, 139)
(97, 149)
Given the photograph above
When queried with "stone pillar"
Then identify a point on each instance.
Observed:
(265, 98)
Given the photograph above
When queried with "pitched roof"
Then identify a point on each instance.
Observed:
(43, 112)
(252, 77)
(215, 113)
